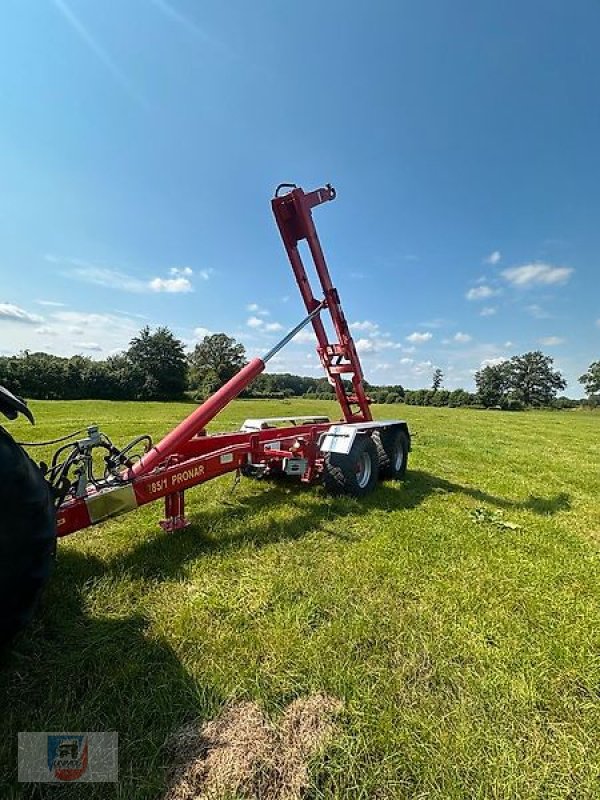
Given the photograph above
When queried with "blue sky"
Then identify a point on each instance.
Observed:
(141, 140)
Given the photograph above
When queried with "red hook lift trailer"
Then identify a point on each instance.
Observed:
(39, 503)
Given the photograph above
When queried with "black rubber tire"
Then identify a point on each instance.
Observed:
(340, 474)
(390, 444)
(27, 536)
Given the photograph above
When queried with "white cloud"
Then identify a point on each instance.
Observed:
(493, 362)
(549, 341)
(258, 323)
(488, 311)
(366, 325)
(200, 332)
(82, 318)
(407, 360)
(110, 332)
(538, 273)
(481, 292)
(128, 313)
(419, 338)
(94, 346)
(171, 285)
(537, 311)
(509, 344)
(109, 278)
(365, 345)
(258, 310)
(372, 344)
(422, 366)
(493, 257)
(12, 313)
(462, 338)
(438, 322)
(306, 336)
(177, 282)
(50, 303)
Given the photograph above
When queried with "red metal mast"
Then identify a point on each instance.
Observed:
(294, 218)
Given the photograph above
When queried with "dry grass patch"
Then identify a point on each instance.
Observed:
(242, 753)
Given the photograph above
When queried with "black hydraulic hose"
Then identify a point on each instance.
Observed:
(52, 441)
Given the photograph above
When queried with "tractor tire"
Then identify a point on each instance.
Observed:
(392, 450)
(27, 536)
(354, 474)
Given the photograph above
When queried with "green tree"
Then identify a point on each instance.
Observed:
(493, 383)
(159, 360)
(459, 397)
(532, 379)
(590, 380)
(216, 355)
(438, 379)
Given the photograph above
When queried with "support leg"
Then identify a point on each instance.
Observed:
(175, 518)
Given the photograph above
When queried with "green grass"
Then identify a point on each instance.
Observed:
(467, 652)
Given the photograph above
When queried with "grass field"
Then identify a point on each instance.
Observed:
(457, 615)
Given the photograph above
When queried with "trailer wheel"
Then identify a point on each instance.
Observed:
(27, 536)
(392, 451)
(354, 474)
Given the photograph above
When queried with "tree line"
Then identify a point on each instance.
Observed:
(156, 367)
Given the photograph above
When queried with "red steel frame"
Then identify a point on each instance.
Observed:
(187, 456)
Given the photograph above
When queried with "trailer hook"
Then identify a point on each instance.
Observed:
(281, 186)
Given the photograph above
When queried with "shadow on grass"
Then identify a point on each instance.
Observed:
(76, 672)
(420, 485)
(71, 671)
(218, 529)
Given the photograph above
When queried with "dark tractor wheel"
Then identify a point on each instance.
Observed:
(392, 450)
(27, 536)
(354, 474)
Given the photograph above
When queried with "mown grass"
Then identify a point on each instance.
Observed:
(467, 653)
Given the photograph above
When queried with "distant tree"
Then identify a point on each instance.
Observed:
(459, 397)
(565, 402)
(532, 379)
(590, 380)
(440, 398)
(216, 355)
(493, 383)
(159, 360)
(438, 379)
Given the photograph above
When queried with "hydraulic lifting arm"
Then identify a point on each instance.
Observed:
(294, 219)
